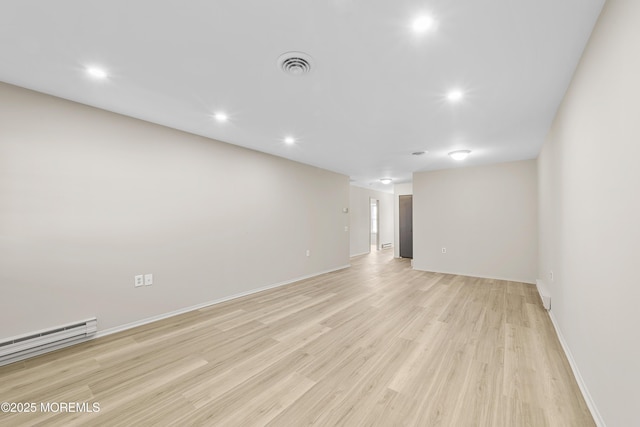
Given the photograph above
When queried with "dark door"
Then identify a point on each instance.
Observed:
(406, 226)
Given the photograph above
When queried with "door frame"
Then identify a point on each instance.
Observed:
(376, 202)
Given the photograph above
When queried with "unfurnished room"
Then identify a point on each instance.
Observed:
(330, 213)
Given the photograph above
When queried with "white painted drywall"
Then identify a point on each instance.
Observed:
(590, 215)
(88, 199)
(404, 189)
(359, 214)
(485, 217)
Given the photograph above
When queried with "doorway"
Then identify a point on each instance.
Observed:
(374, 225)
(405, 221)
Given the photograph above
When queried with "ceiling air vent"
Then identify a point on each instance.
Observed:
(295, 63)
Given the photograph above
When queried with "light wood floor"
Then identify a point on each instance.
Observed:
(376, 344)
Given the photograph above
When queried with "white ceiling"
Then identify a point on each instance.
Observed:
(376, 93)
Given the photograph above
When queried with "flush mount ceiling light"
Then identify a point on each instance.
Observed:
(97, 73)
(221, 117)
(455, 95)
(289, 140)
(295, 63)
(386, 180)
(459, 154)
(423, 23)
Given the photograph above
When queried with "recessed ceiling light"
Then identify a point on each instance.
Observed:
(459, 154)
(423, 23)
(97, 73)
(386, 180)
(290, 140)
(221, 117)
(455, 95)
(418, 153)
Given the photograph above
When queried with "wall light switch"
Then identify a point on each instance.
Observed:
(444, 250)
(308, 252)
(138, 280)
(148, 279)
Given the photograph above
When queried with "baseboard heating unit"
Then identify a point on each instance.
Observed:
(35, 343)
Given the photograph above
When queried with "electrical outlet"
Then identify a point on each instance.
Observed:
(138, 280)
(308, 252)
(444, 250)
(148, 279)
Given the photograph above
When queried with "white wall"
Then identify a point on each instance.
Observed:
(404, 189)
(359, 214)
(88, 199)
(590, 215)
(486, 218)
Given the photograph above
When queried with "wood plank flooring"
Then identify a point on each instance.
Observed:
(378, 344)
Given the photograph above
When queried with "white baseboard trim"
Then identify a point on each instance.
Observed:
(360, 254)
(576, 373)
(419, 268)
(545, 296)
(152, 319)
